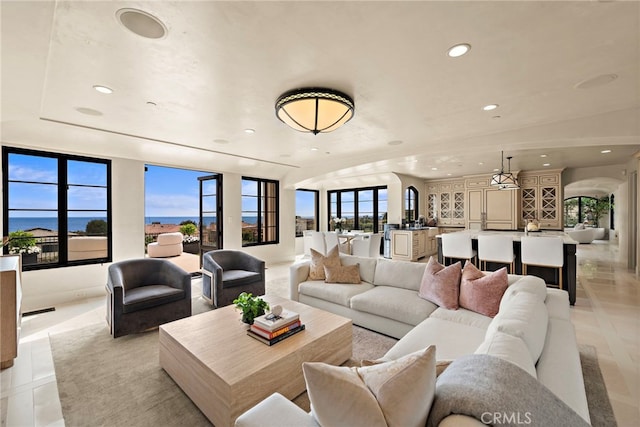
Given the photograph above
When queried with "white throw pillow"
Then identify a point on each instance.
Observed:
(398, 393)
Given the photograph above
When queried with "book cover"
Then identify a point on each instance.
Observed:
(270, 335)
(276, 339)
(271, 322)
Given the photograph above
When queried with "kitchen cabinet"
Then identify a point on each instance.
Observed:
(446, 202)
(490, 208)
(10, 302)
(541, 198)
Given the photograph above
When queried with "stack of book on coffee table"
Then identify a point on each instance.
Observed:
(271, 328)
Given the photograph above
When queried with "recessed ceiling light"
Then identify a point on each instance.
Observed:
(448, 174)
(490, 107)
(103, 89)
(458, 50)
(151, 103)
(249, 131)
(314, 148)
(434, 169)
(220, 141)
(141, 23)
(480, 163)
(496, 117)
(546, 164)
(396, 142)
(605, 151)
(88, 111)
(543, 155)
(496, 170)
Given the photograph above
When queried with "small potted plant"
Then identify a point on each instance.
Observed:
(339, 224)
(251, 307)
(23, 243)
(190, 243)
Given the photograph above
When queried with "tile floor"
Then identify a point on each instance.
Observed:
(606, 315)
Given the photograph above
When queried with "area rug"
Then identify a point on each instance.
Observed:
(107, 382)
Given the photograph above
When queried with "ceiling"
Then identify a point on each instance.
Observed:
(187, 98)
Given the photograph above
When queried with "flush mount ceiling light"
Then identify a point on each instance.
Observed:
(505, 180)
(490, 107)
(314, 110)
(458, 50)
(141, 23)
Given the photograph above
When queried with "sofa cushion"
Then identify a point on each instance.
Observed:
(481, 292)
(396, 393)
(349, 274)
(440, 284)
(367, 265)
(170, 238)
(526, 317)
(150, 296)
(451, 339)
(509, 348)
(462, 316)
(337, 293)
(318, 262)
(402, 305)
(399, 274)
(233, 278)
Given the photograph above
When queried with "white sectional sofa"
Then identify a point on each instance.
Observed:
(532, 329)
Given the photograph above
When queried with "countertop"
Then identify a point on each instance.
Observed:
(518, 234)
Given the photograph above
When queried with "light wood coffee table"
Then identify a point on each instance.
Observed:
(225, 372)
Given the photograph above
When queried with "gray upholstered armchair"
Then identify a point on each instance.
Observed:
(228, 273)
(145, 293)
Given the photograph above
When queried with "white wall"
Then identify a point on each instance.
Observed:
(407, 181)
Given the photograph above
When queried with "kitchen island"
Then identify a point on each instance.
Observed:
(548, 274)
(411, 244)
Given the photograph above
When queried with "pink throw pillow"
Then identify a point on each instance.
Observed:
(482, 293)
(440, 284)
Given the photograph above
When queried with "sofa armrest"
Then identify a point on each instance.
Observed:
(275, 410)
(298, 273)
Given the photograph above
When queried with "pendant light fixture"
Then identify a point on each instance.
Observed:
(315, 110)
(505, 180)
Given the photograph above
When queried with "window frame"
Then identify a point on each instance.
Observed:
(356, 191)
(408, 199)
(316, 213)
(63, 208)
(259, 209)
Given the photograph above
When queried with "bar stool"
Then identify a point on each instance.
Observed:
(366, 245)
(542, 252)
(313, 240)
(458, 246)
(496, 248)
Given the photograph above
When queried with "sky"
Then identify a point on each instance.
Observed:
(168, 191)
(172, 192)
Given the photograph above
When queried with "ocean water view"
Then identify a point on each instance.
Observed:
(80, 223)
